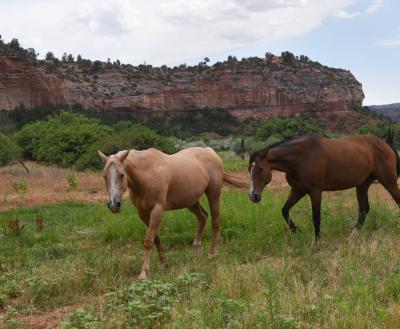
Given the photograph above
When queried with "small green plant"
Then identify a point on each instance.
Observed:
(72, 181)
(286, 322)
(20, 186)
(80, 319)
(40, 290)
(13, 324)
(15, 227)
(147, 302)
(232, 311)
(9, 288)
(3, 298)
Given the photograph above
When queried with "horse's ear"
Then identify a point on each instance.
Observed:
(124, 155)
(103, 157)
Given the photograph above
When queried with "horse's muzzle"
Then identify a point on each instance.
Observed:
(255, 197)
(115, 207)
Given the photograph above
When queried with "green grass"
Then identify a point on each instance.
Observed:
(233, 162)
(262, 276)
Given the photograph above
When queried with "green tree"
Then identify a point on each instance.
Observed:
(285, 127)
(380, 129)
(9, 150)
(61, 139)
(125, 136)
(14, 43)
(288, 57)
(50, 56)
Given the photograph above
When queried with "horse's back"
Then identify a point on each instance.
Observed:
(352, 160)
(190, 173)
(200, 153)
(198, 160)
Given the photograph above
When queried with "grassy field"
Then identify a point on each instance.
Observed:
(88, 259)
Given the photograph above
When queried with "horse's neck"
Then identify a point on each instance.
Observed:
(281, 158)
(135, 176)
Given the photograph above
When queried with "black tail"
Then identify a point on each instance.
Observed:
(390, 141)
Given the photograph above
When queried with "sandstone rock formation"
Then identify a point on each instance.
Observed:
(252, 87)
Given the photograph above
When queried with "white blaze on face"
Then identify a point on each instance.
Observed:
(251, 187)
(113, 174)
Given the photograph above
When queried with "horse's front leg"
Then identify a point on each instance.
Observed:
(145, 217)
(154, 224)
(293, 198)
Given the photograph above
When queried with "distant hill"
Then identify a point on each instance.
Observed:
(391, 111)
(246, 88)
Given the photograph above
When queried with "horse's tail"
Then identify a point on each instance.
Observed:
(235, 181)
(390, 141)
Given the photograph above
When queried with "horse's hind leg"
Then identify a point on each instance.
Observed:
(363, 204)
(389, 181)
(315, 197)
(201, 216)
(214, 202)
(293, 198)
(394, 191)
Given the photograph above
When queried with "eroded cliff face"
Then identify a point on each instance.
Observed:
(22, 83)
(249, 88)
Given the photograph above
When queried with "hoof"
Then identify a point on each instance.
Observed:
(354, 233)
(295, 229)
(197, 250)
(142, 276)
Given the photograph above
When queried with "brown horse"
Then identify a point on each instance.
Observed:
(159, 182)
(314, 164)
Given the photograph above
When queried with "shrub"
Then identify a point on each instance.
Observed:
(194, 122)
(126, 136)
(380, 129)
(286, 127)
(61, 139)
(80, 319)
(9, 150)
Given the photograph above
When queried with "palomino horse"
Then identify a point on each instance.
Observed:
(314, 164)
(159, 182)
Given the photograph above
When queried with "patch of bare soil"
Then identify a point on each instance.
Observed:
(46, 185)
(48, 320)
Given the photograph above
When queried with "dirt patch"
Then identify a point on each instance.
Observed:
(49, 320)
(46, 185)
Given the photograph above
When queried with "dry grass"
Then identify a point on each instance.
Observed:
(46, 185)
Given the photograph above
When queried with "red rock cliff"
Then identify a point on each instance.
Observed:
(22, 83)
(252, 87)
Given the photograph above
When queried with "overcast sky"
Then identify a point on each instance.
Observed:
(360, 35)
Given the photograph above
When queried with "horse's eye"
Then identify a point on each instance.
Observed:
(121, 175)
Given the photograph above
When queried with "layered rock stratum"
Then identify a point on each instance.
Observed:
(252, 87)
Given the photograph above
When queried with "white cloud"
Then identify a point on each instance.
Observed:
(372, 7)
(389, 42)
(159, 31)
(347, 14)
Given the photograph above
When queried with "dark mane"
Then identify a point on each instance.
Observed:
(269, 147)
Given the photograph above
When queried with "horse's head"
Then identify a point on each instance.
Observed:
(259, 174)
(115, 178)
